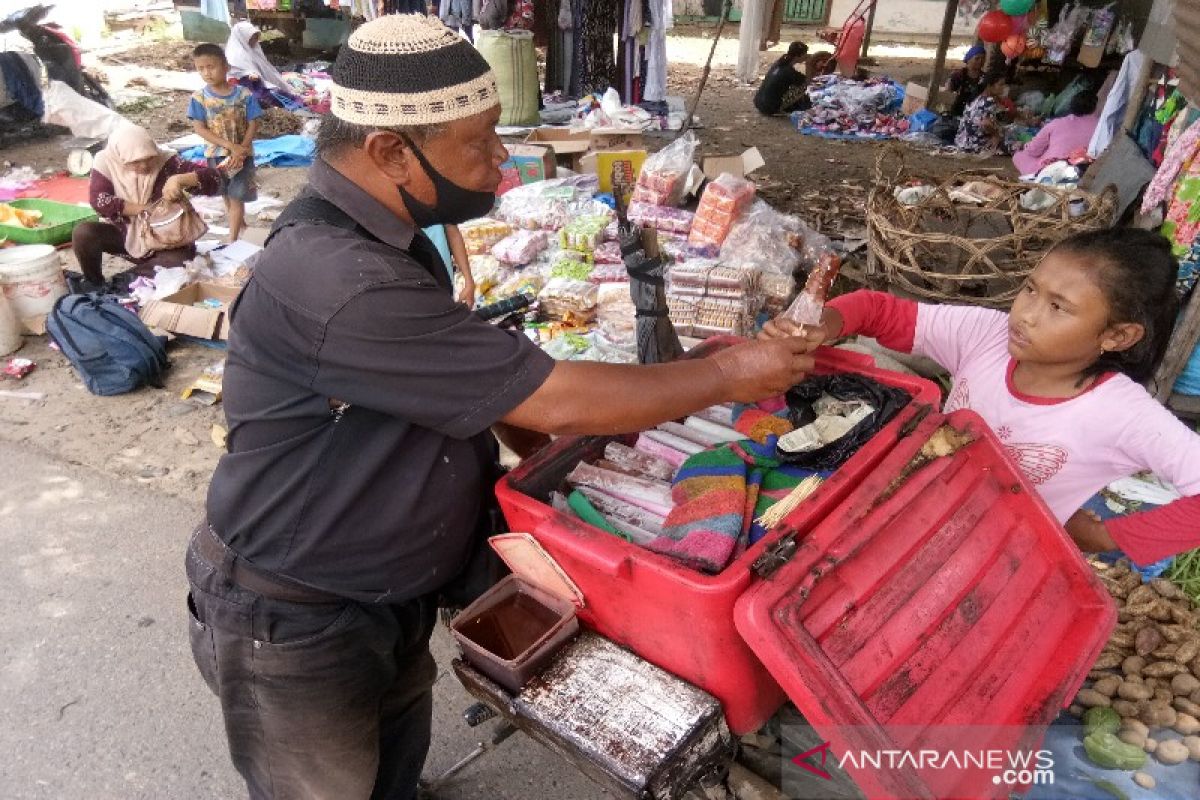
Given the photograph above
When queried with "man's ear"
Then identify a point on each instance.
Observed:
(391, 156)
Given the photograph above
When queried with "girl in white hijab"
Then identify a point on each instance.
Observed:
(246, 56)
(248, 65)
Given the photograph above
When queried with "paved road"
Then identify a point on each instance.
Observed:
(98, 694)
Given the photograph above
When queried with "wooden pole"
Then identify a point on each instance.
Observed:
(1183, 342)
(866, 45)
(1134, 104)
(939, 64)
(687, 123)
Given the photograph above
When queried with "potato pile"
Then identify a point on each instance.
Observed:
(1149, 672)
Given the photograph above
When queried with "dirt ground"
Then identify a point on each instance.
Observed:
(152, 436)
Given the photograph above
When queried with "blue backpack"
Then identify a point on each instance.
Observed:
(108, 345)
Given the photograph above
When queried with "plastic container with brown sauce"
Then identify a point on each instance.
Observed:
(512, 632)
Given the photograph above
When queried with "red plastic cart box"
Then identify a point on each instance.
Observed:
(957, 601)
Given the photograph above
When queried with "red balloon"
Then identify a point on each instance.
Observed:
(995, 26)
(1013, 46)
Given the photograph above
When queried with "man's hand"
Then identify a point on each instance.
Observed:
(467, 293)
(783, 328)
(233, 164)
(757, 370)
(1089, 533)
(175, 188)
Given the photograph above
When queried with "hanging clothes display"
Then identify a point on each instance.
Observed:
(662, 18)
(1114, 106)
(216, 9)
(1177, 182)
(1178, 156)
(558, 53)
(593, 66)
(404, 6)
(458, 15)
(630, 55)
(520, 15)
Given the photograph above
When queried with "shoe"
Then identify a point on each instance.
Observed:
(119, 283)
(77, 284)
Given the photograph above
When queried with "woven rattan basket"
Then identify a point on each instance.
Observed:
(941, 248)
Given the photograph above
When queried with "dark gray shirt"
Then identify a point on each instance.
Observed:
(379, 501)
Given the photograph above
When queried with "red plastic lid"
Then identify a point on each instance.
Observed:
(950, 613)
(530, 561)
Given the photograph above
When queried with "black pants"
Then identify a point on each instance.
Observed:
(91, 240)
(329, 701)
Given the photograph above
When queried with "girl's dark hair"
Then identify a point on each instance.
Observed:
(797, 50)
(1084, 103)
(993, 76)
(1136, 271)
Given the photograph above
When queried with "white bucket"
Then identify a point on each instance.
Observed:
(10, 328)
(32, 280)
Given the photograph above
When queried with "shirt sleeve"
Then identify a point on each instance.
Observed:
(196, 110)
(1153, 535)
(405, 348)
(1156, 440)
(951, 334)
(882, 316)
(253, 109)
(103, 197)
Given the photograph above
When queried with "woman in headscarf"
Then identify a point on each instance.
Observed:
(248, 66)
(129, 175)
(966, 82)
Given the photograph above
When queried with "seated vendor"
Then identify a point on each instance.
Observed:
(979, 129)
(129, 175)
(783, 87)
(1060, 138)
(249, 67)
(966, 82)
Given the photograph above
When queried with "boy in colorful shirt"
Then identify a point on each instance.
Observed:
(226, 116)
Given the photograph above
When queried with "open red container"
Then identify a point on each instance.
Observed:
(669, 614)
(957, 600)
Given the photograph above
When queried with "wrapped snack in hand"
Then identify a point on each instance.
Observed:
(807, 307)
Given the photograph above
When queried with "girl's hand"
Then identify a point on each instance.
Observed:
(781, 328)
(467, 293)
(1089, 533)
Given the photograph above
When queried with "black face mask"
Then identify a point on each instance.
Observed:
(453, 205)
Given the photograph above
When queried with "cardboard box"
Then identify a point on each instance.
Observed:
(569, 146)
(526, 164)
(601, 165)
(739, 166)
(916, 97)
(617, 139)
(178, 313)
